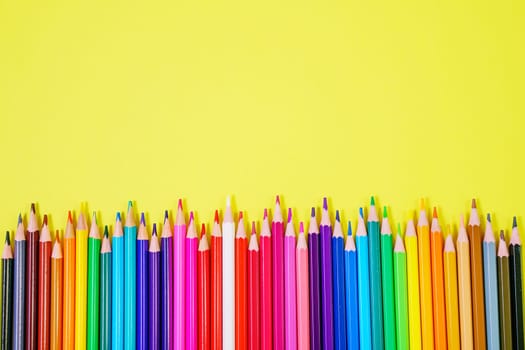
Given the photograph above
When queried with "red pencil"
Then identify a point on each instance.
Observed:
(33, 234)
(254, 325)
(44, 286)
(266, 285)
(203, 292)
(216, 284)
(241, 303)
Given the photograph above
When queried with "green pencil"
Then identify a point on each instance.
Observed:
(387, 273)
(105, 292)
(401, 293)
(93, 286)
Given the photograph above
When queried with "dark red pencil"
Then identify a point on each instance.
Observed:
(33, 235)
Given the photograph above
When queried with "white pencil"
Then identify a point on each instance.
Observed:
(228, 278)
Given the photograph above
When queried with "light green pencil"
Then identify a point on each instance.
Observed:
(401, 294)
(93, 285)
(387, 273)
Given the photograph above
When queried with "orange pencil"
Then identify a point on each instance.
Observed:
(68, 333)
(241, 285)
(438, 289)
(56, 295)
(425, 281)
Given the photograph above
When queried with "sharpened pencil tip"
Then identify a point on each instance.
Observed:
(289, 215)
(216, 218)
(33, 208)
(45, 219)
(154, 230)
(203, 229)
(106, 231)
(385, 212)
(435, 213)
(95, 217)
(301, 227)
(422, 204)
(166, 215)
(130, 205)
(191, 216)
(7, 241)
(19, 218)
(502, 235)
(57, 235)
(180, 204)
(361, 213)
(312, 213)
(325, 203)
(372, 201)
(241, 215)
(488, 217)
(514, 222)
(474, 203)
(399, 228)
(349, 230)
(142, 219)
(337, 218)
(253, 227)
(118, 216)
(277, 200)
(265, 215)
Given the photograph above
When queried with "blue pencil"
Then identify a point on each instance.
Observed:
(352, 301)
(130, 286)
(117, 293)
(338, 243)
(19, 287)
(491, 287)
(365, 324)
(376, 296)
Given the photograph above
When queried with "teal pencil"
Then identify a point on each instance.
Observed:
(363, 283)
(490, 273)
(376, 298)
(117, 291)
(130, 292)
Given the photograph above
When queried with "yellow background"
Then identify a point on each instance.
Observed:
(107, 101)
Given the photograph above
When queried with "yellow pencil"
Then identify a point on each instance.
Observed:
(451, 293)
(81, 283)
(465, 297)
(425, 279)
(414, 321)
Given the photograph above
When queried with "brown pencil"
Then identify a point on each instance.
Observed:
(505, 323)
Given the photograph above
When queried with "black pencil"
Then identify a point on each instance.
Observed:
(516, 292)
(7, 294)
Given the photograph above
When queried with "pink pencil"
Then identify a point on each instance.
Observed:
(265, 268)
(191, 285)
(278, 276)
(290, 302)
(179, 236)
(303, 317)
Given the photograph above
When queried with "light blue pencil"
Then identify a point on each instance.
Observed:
(117, 296)
(491, 287)
(352, 302)
(130, 287)
(363, 273)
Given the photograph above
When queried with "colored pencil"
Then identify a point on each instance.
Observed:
(142, 285)
(31, 301)
(290, 297)
(19, 285)
(505, 318)
(44, 286)
(81, 282)
(130, 282)
(7, 294)
(414, 318)
(166, 285)
(363, 283)
(425, 279)
(254, 329)
(338, 266)
(117, 286)
(387, 274)
(464, 291)
(476, 275)
(179, 301)
(105, 291)
(241, 285)
(192, 243)
(70, 244)
(279, 327)
(57, 294)
(154, 291)
(265, 266)
(228, 278)
(327, 293)
(351, 290)
(93, 285)
(203, 292)
(516, 290)
(216, 284)
(315, 281)
(401, 292)
(303, 315)
(376, 298)
(451, 293)
(490, 278)
(438, 289)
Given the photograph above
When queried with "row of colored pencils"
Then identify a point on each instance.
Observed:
(275, 290)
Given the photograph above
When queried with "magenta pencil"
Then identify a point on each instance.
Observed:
(278, 276)
(192, 243)
(290, 301)
(254, 324)
(266, 284)
(179, 236)
(303, 317)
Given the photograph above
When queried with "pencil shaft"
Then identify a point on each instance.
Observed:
(19, 295)
(266, 293)
(414, 320)
(491, 295)
(57, 294)
(376, 298)
(166, 280)
(327, 293)
(241, 296)
(130, 286)
(465, 297)
(69, 293)
(105, 300)
(216, 292)
(338, 266)
(228, 285)
(387, 275)
(363, 273)
(203, 297)
(81, 256)
(142, 294)
(352, 301)
(117, 294)
(516, 295)
(478, 297)
(7, 303)
(425, 287)
(31, 291)
(451, 299)
(438, 291)
(278, 284)
(93, 295)
(303, 314)
(315, 292)
(44, 295)
(154, 300)
(191, 293)
(401, 300)
(290, 296)
(505, 318)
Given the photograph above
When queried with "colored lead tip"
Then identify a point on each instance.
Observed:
(106, 231)
(228, 201)
(57, 235)
(361, 213)
(130, 205)
(277, 200)
(166, 215)
(301, 227)
(514, 222)
(191, 215)
(33, 208)
(502, 235)
(69, 217)
(289, 215)
(399, 229)
(19, 218)
(154, 231)
(488, 218)
(180, 204)
(349, 229)
(142, 220)
(7, 241)
(325, 203)
(422, 204)
(241, 215)
(203, 229)
(95, 217)
(45, 219)
(118, 216)
(474, 203)
(216, 219)
(337, 218)
(435, 213)
(385, 212)
(372, 201)
(312, 214)
(265, 215)
(253, 228)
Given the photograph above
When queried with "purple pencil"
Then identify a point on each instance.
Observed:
(166, 280)
(154, 291)
(290, 297)
(192, 243)
(315, 297)
(142, 286)
(327, 295)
